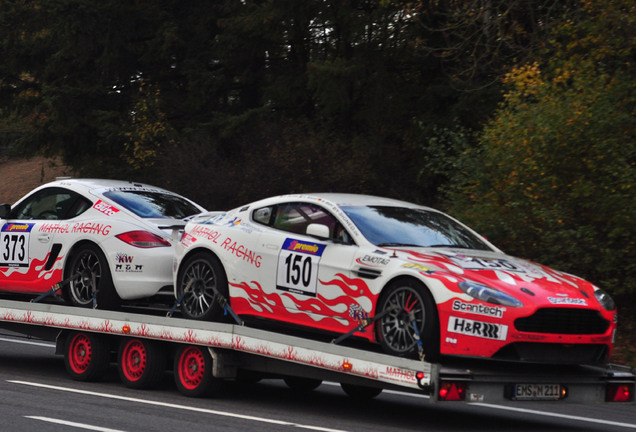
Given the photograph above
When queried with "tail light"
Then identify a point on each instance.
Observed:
(143, 239)
(617, 392)
(452, 391)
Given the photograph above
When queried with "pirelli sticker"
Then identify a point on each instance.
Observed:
(477, 328)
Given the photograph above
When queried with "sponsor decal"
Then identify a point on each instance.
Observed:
(123, 258)
(451, 341)
(357, 313)
(105, 208)
(205, 233)
(419, 267)
(91, 228)
(303, 247)
(234, 222)
(478, 309)
(187, 240)
(477, 328)
(125, 264)
(373, 261)
(12, 227)
(56, 228)
(240, 251)
(78, 227)
(567, 301)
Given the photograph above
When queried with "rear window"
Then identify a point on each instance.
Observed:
(153, 204)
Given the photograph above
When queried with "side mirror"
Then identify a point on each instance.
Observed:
(318, 230)
(5, 210)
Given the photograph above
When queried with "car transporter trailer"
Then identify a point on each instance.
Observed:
(206, 354)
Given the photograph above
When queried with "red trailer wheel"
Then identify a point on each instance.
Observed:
(193, 372)
(85, 356)
(141, 363)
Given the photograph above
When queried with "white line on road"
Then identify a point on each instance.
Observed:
(523, 410)
(549, 414)
(28, 342)
(73, 424)
(175, 406)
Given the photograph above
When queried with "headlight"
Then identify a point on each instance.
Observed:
(605, 300)
(488, 294)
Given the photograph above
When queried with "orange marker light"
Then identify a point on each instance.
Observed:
(126, 329)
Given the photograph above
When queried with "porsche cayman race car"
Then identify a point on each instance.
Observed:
(407, 277)
(107, 240)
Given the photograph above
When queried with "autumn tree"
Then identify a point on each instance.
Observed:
(553, 176)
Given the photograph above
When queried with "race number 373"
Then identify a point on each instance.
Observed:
(298, 264)
(14, 245)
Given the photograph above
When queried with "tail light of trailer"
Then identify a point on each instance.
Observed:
(452, 391)
(617, 392)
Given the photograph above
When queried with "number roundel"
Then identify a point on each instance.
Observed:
(14, 244)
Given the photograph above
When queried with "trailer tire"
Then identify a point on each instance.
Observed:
(302, 385)
(203, 277)
(141, 362)
(86, 356)
(408, 299)
(360, 392)
(193, 372)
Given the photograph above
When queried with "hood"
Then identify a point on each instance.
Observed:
(527, 281)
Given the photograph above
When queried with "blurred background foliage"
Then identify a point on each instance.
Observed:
(517, 116)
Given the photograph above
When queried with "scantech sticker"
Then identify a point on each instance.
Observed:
(477, 328)
(478, 309)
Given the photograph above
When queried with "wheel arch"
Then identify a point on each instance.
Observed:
(191, 253)
(426, 291)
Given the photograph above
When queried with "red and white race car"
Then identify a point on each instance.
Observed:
(111, 239)
(336, 262)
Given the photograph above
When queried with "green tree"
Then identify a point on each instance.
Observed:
(553, 177)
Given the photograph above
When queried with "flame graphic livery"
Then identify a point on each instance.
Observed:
(339, 312)
(33, 279)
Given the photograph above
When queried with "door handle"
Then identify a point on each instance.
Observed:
(44, 238)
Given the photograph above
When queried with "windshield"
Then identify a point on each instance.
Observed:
(398, 226)
(151, 204)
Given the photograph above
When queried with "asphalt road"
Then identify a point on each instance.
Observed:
(37, 395)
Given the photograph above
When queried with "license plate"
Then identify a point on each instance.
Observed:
(538, 392)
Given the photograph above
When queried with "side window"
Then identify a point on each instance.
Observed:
(51, 204)
(296, 217)
(263, 215)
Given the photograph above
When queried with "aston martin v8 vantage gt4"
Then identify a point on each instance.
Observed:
(106, 240)
(407, 277)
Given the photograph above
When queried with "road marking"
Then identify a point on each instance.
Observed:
(549, 414)
(509, 408)
(73, 424)
(28, 342)
(175, 406)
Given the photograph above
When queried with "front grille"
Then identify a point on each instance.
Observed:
(563, 321)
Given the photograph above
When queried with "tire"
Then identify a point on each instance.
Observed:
(86, 356)
(410, 300)
(141, 363)
(302, 385)
(202, 277)
(360, 392)
(193, 372)
(90, 265)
